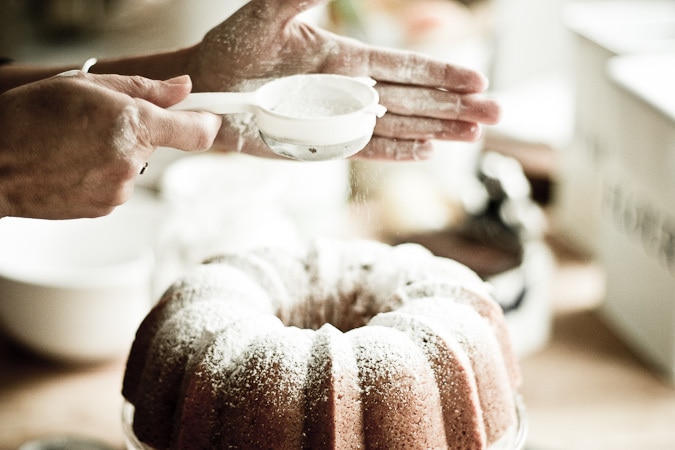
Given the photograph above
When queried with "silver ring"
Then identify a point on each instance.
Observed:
(88, 64)
(145, 166)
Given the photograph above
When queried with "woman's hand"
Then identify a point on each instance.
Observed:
(425, 98)
(73, 144)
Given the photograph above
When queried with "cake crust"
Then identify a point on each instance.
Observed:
(336, 345)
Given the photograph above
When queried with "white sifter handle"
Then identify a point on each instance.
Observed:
(218, 102)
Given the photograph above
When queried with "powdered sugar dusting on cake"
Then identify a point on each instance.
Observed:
(263, 274)
(334, 416)
(463, 416)
(206, 282)
(197, 320)
(283, 351)
(332, 348)
(226, 348)
(463, 324)
(395, 374)
(470, 296)
(382, 352)
(432, 339)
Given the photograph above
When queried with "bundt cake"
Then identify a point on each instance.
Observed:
(339, 344)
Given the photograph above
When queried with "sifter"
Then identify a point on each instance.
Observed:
(308, 117)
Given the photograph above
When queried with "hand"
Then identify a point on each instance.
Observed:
(425, 98)
(73, 144)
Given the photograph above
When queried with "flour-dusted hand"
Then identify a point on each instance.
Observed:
(426, 98)
(73, 144)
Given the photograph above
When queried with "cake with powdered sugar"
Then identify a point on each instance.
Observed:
(333, 345)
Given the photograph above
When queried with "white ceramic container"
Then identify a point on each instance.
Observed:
(76, 290)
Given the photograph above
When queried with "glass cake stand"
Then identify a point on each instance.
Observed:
(514, 439)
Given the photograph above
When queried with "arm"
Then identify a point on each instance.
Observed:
(426, 99)
(160, 66)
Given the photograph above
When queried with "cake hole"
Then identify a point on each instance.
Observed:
(346, 313)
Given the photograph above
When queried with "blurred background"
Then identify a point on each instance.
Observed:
(567, 206)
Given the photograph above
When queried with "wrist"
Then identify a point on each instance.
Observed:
(17, 74)
(4, 207)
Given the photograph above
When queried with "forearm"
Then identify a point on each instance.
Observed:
(160, 66)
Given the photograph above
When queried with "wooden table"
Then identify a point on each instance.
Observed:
(40, 399)
(583, 391)
(586, 390)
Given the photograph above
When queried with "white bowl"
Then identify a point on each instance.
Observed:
(76, 290)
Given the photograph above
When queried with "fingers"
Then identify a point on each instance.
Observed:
(404, 67)
(161, 93)
(439, 104)
(184, 130)
(427, 113)
(351, 57)
(153, 126)
(380, 148)
(403, 127)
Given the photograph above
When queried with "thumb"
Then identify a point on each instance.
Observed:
(161, 93)
(192, 131)
(184, 130)
(287, 9)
